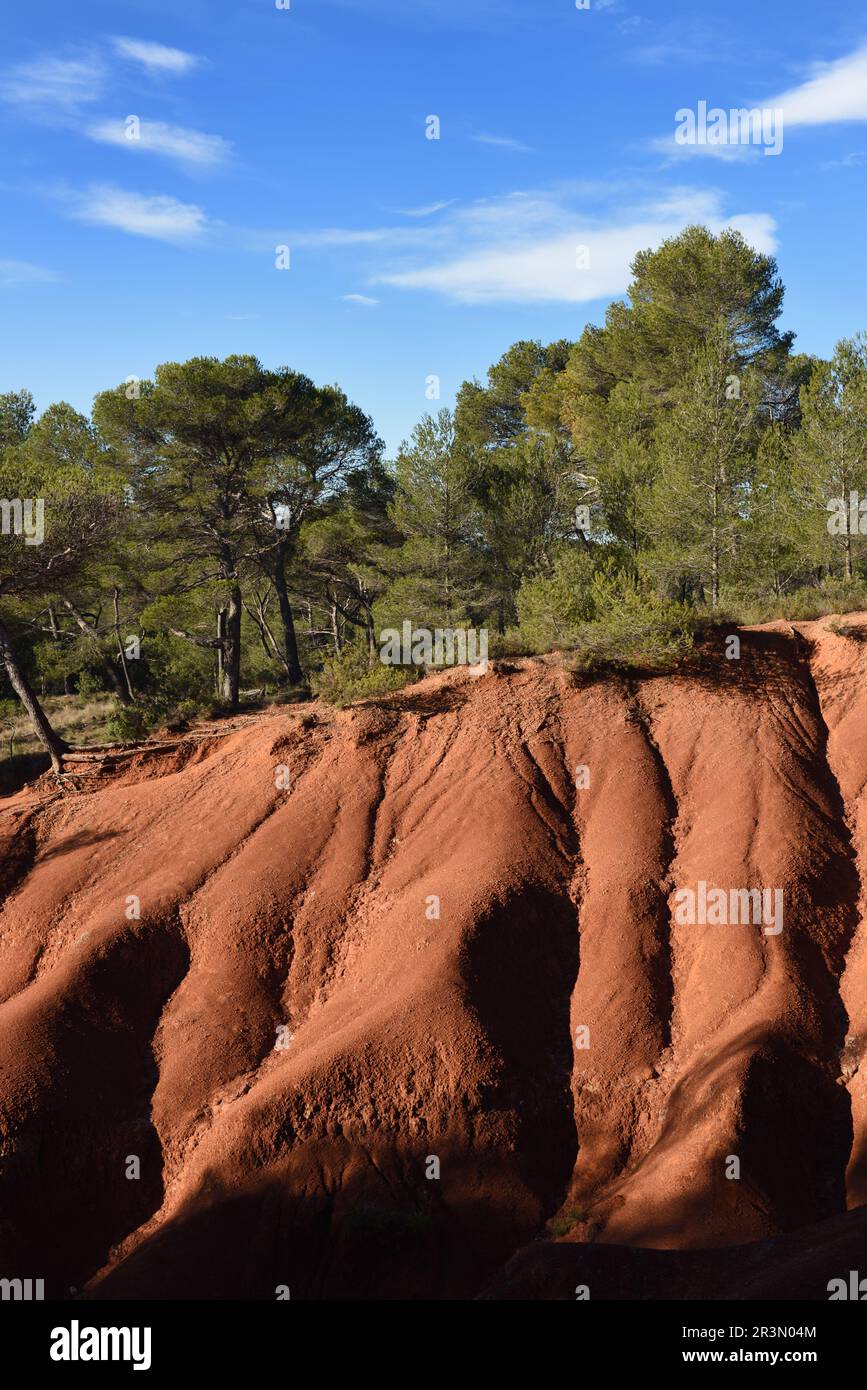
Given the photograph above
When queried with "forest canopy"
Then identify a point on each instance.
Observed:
(225, 531)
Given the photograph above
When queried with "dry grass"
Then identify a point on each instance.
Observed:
(79, 719)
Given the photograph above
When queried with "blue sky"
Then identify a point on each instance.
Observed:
(305, 127)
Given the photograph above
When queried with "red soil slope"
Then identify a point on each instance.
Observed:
(302, 1157)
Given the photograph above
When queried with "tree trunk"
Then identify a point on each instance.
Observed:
(290, 641)
(256, 615)
(848, 552)
(232, 649)
(714, 578)
(221, 639)
(266, 636)
(120, 649)
(55, 745)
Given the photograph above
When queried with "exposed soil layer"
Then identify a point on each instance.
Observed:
(395, 1002)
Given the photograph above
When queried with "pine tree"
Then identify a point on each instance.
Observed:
(785, 518)
(677, 296)
(198, 443)
(704, 454)
(435, 509)
(833, 444)
(613, 437)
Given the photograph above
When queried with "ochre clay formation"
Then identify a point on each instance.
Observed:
(341, 1023)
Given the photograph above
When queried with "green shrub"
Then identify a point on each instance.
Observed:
(553, 608)
(804, 604)
(515, 642)
(634, 626)
(350, 676)
(185, 713)
(89, 685)
(604, 615)
(129, 723)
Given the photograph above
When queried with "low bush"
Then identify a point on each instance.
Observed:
(350, 676)
(605, 616)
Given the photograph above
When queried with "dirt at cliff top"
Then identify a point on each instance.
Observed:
(364, 1003)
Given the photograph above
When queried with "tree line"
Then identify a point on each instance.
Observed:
(225, 528)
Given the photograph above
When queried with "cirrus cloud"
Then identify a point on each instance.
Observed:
(502, 142)
(54, 85)
(189, 148)
(155, 57)
(13, 273)
(159, 216)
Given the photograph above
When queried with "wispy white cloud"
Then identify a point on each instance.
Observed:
(156, 57)
(54, 86)
(160, 216)
(60, 90)
(14, 273)
(729, 153)
(427, 210)
(364, 299)
(835, 92)
(695, 41)
(61, 85)
(502, 142)
(667, 51)
(352, 236)
(191, 148)
(568, 244)
(855, 159)
(533, 248)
